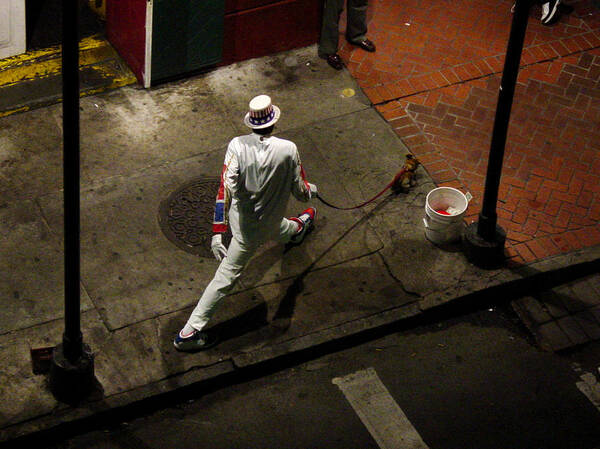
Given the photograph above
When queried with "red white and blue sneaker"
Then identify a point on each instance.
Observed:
(197, 341)
(306, 220)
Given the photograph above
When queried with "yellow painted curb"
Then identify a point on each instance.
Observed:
(25, 58)
(119, 78)
(14, 111)
(44, 63)
(95, 54)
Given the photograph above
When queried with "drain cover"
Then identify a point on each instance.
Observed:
(186, 216)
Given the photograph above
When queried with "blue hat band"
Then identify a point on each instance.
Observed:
(261, 120)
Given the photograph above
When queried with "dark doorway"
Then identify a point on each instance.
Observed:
(44, 24)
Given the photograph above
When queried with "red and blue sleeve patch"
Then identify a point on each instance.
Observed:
(219, 224)
(220, 217)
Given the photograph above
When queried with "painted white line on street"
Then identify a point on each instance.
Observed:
(383, 418)
(590, 387)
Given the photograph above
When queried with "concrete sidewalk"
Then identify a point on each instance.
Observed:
(358, 270)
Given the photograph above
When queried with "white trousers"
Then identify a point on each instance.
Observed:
(229, 271)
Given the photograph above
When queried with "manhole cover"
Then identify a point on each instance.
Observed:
(186, 216)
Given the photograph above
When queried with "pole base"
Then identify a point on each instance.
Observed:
(71, 382)
(483, 253)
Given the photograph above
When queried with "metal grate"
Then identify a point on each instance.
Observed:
(186, 216)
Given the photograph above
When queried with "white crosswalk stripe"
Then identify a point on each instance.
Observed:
(381, 415)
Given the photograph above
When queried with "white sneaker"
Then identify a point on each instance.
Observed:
(550, 12)
(198, 341)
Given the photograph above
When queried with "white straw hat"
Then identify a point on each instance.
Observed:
(262, 113)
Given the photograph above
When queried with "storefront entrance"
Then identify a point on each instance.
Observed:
(44, 19)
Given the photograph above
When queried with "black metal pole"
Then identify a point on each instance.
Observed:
(72, 338)
(484, 241)
(72, 370)
(488, 217)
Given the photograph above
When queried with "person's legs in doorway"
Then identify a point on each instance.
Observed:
(356, 29)
(329, 40)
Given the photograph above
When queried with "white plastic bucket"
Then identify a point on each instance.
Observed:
(444, 210)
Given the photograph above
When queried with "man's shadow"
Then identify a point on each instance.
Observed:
(257, 318)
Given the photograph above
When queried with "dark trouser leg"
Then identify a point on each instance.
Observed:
(356, 31)
(328, 43)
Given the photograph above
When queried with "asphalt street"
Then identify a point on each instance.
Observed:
(475, 381)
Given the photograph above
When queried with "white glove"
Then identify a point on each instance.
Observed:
(217, 247)
(313, 190)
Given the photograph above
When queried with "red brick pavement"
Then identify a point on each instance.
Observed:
(435, 78)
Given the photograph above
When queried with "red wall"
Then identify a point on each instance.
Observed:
(252, 28)
(256, 28)
(126, 31)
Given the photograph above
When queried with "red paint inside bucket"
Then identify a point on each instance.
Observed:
(442, 212)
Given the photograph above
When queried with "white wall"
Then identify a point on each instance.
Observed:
(12, 28)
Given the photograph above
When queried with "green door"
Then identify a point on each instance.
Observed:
(187, 35)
